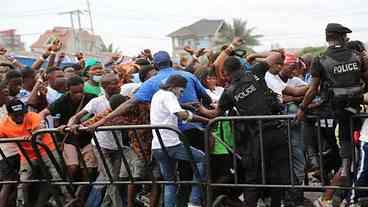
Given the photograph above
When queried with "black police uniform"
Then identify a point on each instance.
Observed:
(250, 95)
(339, 70)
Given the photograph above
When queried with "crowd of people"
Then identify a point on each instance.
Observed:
(324, 93)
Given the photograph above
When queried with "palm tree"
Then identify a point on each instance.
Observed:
(238, 28)
(110, 48)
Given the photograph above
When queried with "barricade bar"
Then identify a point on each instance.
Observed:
(65, 180)
(262, 119)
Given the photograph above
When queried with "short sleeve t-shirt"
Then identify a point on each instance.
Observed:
(193, 89)
(64, 109)
(295, 81)
(164, 105)
(52, 95)
(91, 89)
(275, 83)
(222, 135)
(128, 89)
(32, 122)
(105, 138)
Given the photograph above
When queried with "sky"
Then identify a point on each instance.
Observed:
(135, 25)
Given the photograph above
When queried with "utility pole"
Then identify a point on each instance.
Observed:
(90, 16)
(76, 37)
(90, 24)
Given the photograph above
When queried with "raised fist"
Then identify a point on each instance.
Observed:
(189, 50)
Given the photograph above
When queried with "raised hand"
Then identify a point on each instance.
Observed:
(79, 56)
(189, 50)
(200, 52)
(237, 42)
(56, 46)
(148, 54)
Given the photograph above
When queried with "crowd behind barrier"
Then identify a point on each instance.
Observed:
(64, 179)
(258, 129)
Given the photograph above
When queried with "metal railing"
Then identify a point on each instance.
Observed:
(59, 162)
(66, 179)
(260, 120)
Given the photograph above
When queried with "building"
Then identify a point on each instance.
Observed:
(73, 41)
(11, 41)
(200, 34)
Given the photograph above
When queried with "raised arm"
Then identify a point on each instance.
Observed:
(219, 62)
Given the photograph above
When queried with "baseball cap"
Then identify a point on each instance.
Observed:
(16, 106)
(290, 59)
(337, 28)
(161, 57)
(90, 62)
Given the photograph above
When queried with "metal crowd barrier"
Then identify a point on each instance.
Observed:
(260, 121)
(61, 167)
(66, 180)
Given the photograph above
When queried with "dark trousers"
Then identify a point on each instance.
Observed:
(276, 165)
(331, 158)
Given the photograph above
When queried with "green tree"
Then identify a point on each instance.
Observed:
(315, 51)
(238, 28)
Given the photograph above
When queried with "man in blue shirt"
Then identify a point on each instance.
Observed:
(193, 93)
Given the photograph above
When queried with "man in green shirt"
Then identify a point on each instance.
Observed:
(92, 86)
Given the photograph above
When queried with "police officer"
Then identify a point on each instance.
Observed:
(249, 94)
(337, 72)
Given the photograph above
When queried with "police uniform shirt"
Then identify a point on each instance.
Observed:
(241, 92)
(337, 53)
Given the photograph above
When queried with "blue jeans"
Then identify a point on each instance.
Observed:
(168, 170)
(297, 142)
(95, 197)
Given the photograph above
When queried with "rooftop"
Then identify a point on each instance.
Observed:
(203, 27)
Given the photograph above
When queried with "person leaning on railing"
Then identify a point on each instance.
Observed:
(167, 148)
(21, 123)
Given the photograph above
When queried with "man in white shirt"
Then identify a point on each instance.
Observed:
(166, 110)
(279, 79)
(111, 85)
(291, 90)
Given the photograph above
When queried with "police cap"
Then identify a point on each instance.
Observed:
(337, 28)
